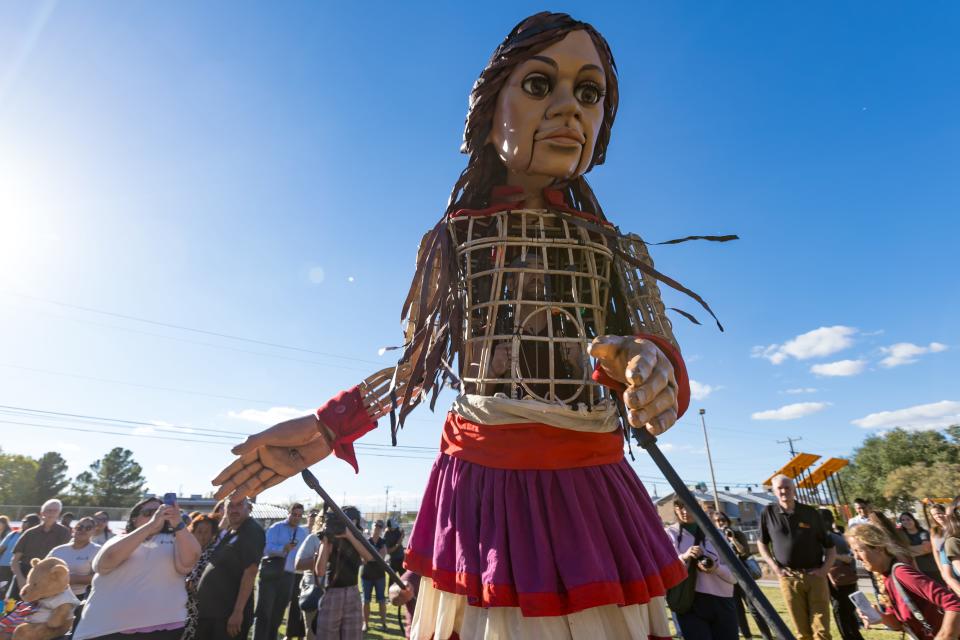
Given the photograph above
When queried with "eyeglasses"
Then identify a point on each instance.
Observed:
(84, 527)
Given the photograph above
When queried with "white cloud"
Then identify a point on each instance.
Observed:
(791, 411)
(268, 417)
(700, 391)
(812, 344)
(839, 368)
(936, 415)
(799, 390)
(907, 353)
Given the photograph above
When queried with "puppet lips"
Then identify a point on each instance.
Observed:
(563, 136)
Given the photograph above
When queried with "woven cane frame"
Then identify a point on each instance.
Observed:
(647, 313)
(539, 285)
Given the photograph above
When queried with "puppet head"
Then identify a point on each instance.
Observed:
(515, 66)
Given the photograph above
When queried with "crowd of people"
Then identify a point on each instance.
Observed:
(220, 575)
(206, 576)
(914, 571)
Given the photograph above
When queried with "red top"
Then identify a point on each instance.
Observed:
(930, 597)
(501, 200)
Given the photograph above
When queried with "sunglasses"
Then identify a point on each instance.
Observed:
(147, 513)
(84, 527)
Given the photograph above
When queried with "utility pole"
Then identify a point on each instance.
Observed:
(790, 441)
(713, 478)
(386, 503)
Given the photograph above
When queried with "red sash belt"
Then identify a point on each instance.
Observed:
(528, 445)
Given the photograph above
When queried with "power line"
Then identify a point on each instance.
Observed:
(183, 434)
(191, 440)
(141, 386)
(196, 432)
(213, 345)
(181, 327)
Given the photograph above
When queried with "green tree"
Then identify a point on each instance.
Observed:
(51, 477)
(882, 455)
(907, 485)
(18, 475)
(114, 480)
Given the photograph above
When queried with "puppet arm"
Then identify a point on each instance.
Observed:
(268, 458)
(271, 456)
(646, 368)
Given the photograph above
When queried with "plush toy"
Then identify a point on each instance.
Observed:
(50, 602)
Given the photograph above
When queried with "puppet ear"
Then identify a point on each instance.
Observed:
(35, 562)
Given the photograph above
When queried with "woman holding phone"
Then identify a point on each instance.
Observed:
(919, 605)
(146, 564)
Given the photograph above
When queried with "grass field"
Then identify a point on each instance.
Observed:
(773, 593)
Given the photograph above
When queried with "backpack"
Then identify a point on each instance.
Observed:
(928, 629)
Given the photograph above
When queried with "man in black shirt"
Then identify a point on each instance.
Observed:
(224, 592)
(795, 544)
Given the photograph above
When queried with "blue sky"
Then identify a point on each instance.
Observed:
(265, 173)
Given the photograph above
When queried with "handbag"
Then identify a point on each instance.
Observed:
(310, 599)
(680, 597)
(842, 574)
(753, 567)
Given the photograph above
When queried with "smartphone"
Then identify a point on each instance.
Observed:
(169, 499)
(859, 599)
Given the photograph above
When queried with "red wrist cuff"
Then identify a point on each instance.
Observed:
(679, 371)
(347, 418)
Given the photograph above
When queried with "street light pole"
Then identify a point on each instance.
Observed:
(713, 478)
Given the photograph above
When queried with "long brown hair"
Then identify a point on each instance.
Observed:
(484, 168)
(928, 508)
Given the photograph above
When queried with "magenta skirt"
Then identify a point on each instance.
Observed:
(552, 542)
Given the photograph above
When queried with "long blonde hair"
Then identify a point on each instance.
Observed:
(874, 536)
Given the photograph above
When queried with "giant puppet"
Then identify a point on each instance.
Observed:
(533, 525)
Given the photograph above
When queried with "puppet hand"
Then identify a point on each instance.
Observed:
(375, 390)
(269, 457)
(651, 394)
(400, 597)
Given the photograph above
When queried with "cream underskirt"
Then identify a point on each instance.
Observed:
(499, 409)
(439, 614)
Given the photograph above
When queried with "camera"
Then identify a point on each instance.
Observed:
(727, 531)
(334, 525)
(705, 563)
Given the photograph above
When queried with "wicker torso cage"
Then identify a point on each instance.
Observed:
(537, 289)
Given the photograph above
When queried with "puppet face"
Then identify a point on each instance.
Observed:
(550, 109)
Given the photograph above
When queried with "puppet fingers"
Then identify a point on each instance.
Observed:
(259, 485)
(665, 400)
(230, 485)
(254, 485)
(662, 422)
(235, 466)
(638, 397)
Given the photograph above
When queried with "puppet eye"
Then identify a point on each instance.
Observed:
(588, 92)
(536, 85)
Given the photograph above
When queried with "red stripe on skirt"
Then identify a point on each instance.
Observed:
(547, 604)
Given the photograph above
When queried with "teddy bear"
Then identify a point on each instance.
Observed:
(50, 601)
